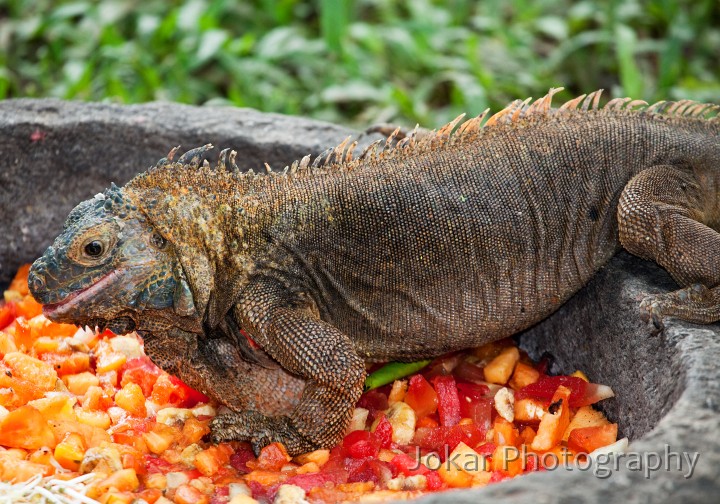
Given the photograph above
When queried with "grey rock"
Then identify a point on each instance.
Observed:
(54, 154)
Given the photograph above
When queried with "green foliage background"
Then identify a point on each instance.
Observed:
(362, 62)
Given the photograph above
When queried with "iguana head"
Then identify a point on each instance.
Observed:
(107, 267)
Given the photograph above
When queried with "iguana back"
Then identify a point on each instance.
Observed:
(438, 243)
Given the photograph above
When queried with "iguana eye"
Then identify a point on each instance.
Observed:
(94, 248)
(158, 241)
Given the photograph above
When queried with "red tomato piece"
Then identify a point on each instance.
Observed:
(361, 444)
(468, 434)
(486, 449)
(448, 400)
(141, 371)
(421, 397)
(546, 386)
(408, 465)
(374, 401)
(432, 438)
(187, 396)
(383, 433)
(240, 458)
(433, 481)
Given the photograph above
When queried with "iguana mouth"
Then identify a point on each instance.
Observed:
(66, 306)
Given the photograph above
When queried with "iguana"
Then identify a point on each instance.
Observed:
(271, 292)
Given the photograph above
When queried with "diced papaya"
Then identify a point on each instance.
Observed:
(28, 308)
(161, 437)
(193, 430)
(508, 460)
(505, 433)
(26, 428)
(31, 369)
(209, 461)
(523, 375)
(186, 494)
(20, 280)
(77, 362)
(587, 416)
(93, 418)
(273, 457)
(92, 436)
(554, 421)
(55, 407)
(70, 451)
(16, 391)
(131, 399)
(21, 470)
(501, 367)
(529, 410)
(589, 439)
(80, 383)
(7, 342)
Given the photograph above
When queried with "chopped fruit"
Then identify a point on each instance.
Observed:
(523, 376)
(274, 456)
(554, 422)
(589, 439)
(421, 396)
(501, 367)
(448, 400)
(131, 399)
(70, 451)
(585, 417)
(76, 401)
(26, 428)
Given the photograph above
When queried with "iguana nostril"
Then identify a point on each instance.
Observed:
(36, 282)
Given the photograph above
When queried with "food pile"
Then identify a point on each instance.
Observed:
(77, 402)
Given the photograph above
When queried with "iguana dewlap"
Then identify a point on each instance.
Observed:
(424, 247)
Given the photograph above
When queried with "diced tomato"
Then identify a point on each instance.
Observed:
(480, 413)
(432, 438)
(421, 396)
(361, 444)
(240, 458)
(433, 481)
(474, 403)
(469, 434)
(373, 401)
(408, 465)
(189, 397)
(309, 481)
(486, 449)
(593, 393)
(448, 400)
(368, 469)
(383, 433)
(7, 314)
(546, 386)
(141, 371)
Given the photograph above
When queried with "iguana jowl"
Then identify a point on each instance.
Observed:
(428, 246)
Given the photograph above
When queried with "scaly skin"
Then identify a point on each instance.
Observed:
(430, 246)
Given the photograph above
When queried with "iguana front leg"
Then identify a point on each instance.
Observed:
(310, 348)
(665, 214)
(214, 367)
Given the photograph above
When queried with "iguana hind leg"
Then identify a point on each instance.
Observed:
(663, 215)
(311, 349)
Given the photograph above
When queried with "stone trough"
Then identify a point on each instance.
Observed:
(54, 154)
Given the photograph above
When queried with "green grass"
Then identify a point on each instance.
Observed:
(358, 62)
